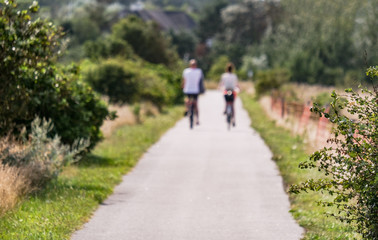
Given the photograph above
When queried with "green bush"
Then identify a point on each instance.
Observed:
(84, 29)
(350, 164)
(107, 47)
(153, 88)
(113, 79)
(31, 83)
(270, 79)
(218, 68)
(126, 81)
(76, 111)
(173, 81)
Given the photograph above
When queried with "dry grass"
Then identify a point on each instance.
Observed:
(211, 85)
(25, 167)
(247, 87)
(305, 93)
(14, 184)
(15, 181)
(125, 116)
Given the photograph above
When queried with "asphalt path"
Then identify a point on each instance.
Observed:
(208, 183)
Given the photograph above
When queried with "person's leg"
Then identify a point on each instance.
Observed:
(186, 102)
(196, 110)
(233, 113)
(225, 105)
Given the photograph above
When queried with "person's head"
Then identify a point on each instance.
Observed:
(230, 67)
(193, 63)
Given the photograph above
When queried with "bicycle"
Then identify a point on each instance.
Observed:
(229, 96)
(191, 111)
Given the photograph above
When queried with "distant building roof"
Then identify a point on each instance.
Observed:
(139, 5)
(167, 20)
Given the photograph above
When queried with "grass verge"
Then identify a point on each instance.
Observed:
(289, 151)
(66, 204)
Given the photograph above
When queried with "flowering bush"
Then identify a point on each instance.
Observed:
(350, 164)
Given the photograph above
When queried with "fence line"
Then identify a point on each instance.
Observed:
(299, 119)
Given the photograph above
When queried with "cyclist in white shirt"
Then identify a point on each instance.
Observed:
(229, 82)
(192, 77)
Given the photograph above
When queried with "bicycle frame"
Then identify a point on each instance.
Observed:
(229, 96)
(191, 111)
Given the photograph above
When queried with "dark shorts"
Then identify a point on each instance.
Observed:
(192, 96)
(229, 98)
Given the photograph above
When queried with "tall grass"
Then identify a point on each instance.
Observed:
(14, 181)
(30, 164)
(14, 184)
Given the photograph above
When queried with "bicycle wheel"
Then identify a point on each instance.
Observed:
(191, 116)
(229, 116)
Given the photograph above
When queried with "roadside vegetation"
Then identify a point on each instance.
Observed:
(62, 58)
(350, 163)
(64, 205)
(288, 152)
(51, 113)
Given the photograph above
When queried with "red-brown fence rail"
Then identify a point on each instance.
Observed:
(299, 119)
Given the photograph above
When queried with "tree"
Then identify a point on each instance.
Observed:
(245, 23)
(146, 40)
(31, 83)
(366, 36)
(210, 22)
(319, 42)
(350, 165)
(234, 27)
(84, 29)
(184, 42)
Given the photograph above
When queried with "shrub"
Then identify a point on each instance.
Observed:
(43, 156)
(126, 81)
(218, 68)
(107, 47)
(154, 88)
(350, 164)
(32, 85)
(111, 78)
(270, 79)
(173, 81)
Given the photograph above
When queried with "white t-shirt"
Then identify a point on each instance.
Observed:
(229, 81)
(192, 78)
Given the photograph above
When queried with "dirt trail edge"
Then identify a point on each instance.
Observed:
(208, 183)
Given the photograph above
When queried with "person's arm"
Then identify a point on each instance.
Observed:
(221, 83)
(237, 87)
(202, 88)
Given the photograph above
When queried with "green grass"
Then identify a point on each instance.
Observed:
(65, 205)
(289, 151)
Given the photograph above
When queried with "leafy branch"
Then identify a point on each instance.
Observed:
(350, 164)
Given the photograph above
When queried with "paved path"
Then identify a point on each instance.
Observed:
(202, 184)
